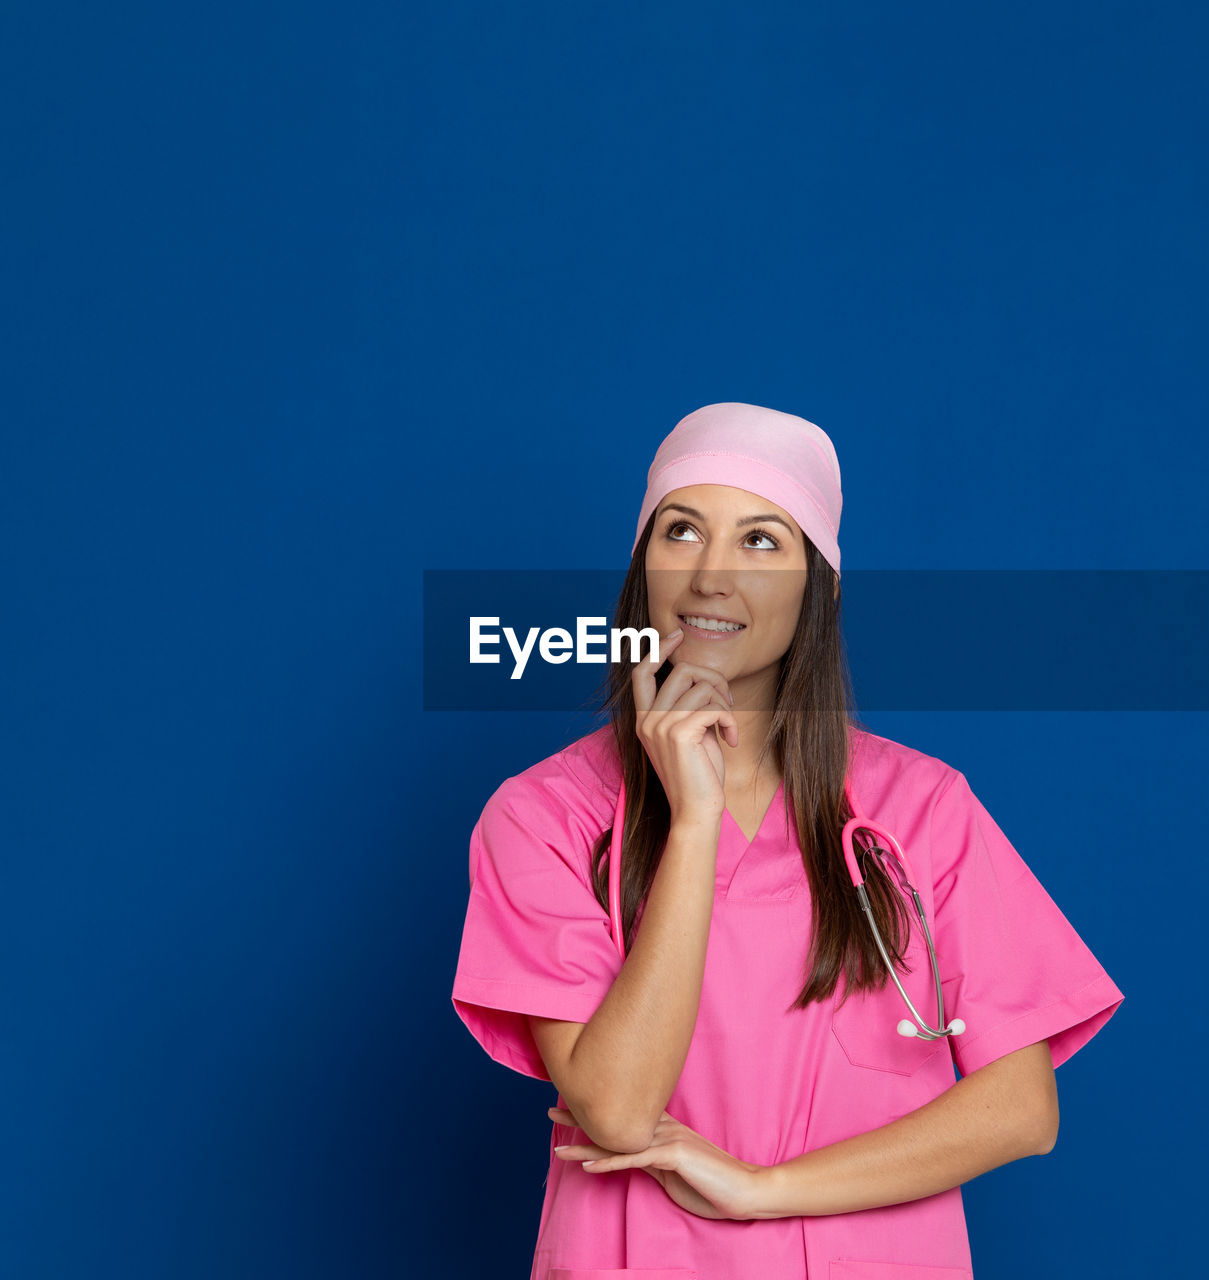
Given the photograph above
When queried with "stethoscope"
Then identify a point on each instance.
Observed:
(913, 1026)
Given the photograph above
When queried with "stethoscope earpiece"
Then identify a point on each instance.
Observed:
(908, 1028)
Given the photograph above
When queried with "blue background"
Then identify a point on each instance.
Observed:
(299, 300)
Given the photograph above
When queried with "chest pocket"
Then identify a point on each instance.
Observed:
(866, 1024)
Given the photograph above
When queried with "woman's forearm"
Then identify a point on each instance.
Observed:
(1000, 1113)
(632, 1051)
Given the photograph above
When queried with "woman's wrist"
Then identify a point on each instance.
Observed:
(690, 826)
(770, 1196)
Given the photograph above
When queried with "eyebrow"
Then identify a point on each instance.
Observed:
(765, 518)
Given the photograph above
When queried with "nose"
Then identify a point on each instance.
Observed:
(714, 572)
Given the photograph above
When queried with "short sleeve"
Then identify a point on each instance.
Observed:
(535, 939)
(1012, 966)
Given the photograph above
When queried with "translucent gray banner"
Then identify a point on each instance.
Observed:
(917, 640)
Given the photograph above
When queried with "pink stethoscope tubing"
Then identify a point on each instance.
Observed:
(913, 1026)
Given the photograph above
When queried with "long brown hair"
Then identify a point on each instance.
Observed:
(808, 737)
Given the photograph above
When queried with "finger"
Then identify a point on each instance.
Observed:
(611, 1163)
(643, 677)
(694, 696)
(730, 730)
(561, 1115)
(700, 696)
(581, 1151)
(684, 675)
(698, 722)
(652, 1157)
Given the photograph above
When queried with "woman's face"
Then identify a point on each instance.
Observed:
(721, 553)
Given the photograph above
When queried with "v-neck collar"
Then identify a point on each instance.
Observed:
(767, 868)
(772, 804)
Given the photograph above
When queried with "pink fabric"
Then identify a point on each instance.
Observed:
(777, 455)
(763, 1083)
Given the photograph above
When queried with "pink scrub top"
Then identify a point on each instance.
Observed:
(763, 1083)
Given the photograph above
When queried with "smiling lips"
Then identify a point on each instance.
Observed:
(708, 628)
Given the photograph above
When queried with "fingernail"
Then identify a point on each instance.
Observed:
(731, 696)
(563, 1147)
(671, 635)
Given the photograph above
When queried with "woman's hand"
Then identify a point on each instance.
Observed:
(675, 725)
(699, 1176)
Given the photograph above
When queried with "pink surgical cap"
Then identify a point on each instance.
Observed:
(776, 455)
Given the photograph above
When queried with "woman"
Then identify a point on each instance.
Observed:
(735, 1098)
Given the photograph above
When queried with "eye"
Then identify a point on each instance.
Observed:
(760, 533)
(673, 525)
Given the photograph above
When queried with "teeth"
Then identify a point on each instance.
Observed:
(711, 624)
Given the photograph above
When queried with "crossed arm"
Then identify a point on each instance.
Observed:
(999, 1113)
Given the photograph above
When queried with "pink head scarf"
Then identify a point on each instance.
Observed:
(779, 456)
